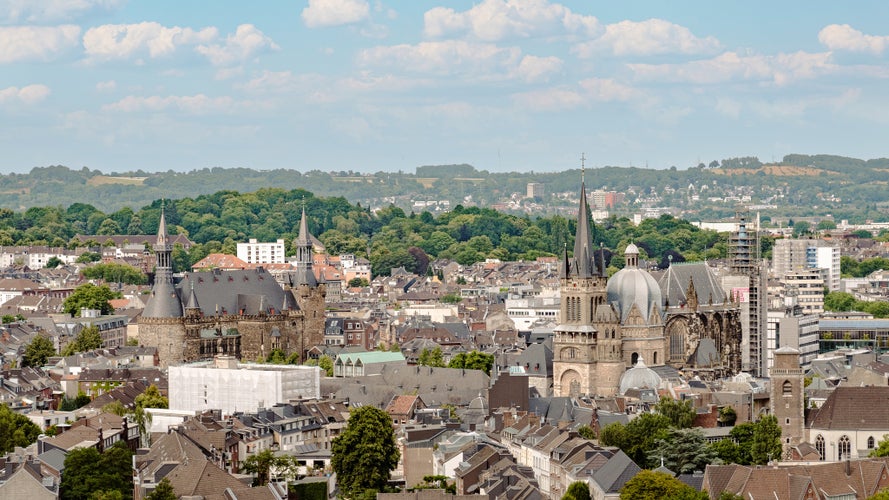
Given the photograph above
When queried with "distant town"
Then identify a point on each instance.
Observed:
(604, 344)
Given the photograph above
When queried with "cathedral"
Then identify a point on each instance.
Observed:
(244, 313)
(608, 325)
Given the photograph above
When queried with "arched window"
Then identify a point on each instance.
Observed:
(787, 388)
(844, 448)
(819, 445)
(677, 346)
(634, 358)
(870, 443)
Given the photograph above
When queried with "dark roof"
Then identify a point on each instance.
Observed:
(229, 292)
(675, 281)
(853, 408)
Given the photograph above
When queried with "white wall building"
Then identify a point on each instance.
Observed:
(525, 312)
(227, 385)
(828, 258)
(261, 253)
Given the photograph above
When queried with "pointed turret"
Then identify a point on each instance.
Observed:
(305, 275)
(164, 301)
(583, 240)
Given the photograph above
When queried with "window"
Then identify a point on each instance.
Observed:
(819, 445)
(870, 443)
(844, 448)
(787, 388)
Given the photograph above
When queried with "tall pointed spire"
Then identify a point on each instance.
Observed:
(583, 239)
(305, 275)
(164, 301)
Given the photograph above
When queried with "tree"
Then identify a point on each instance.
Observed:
(365, 453)
(115, 407)
(15, 430)
(163, 491)
(638, 437)
(87, 471)
(839, 301)
(578, 490)
(90, 296)
(261, 464)
(766, 444)
(326, 364)
(586, 432)
(882, 449)
(431, 358)
(474, 360)
(38, 351)
(680, 413)
(151, 398)
(53, 262)
(683, 451)
(86, 340)
(651, 485)
(358, 282)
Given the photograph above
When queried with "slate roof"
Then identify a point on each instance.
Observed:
(253, 290)
(853, 408)
(612, 476)
(674, 284)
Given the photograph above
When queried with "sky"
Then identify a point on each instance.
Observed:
(504, 85)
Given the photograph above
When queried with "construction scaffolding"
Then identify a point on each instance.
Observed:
(745, 260)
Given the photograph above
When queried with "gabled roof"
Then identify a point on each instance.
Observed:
(853, 408)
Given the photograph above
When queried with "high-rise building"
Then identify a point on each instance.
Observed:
(790, 255)
(745, 260)
(254, 252)
(535, 190)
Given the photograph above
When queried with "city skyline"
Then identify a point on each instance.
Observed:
(502, 85)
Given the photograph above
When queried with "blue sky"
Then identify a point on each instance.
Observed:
(503, 85)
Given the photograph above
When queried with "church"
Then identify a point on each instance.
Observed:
(244, 313)
(607, 325)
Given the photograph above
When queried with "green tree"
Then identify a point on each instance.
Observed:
(261, 465)
(432, 357)
(839, 301)
(578, 490)
(882, 449)
(150, 398)
(15, 430)
(651, 485)
(115, 407)
(683, 451)
(680, 413)
(115, 273)
(358, 282)
(53, 262)
(87, 339)
(586, 432)
(766, 443)
(326, 363)
(365, 453)
(90, 296)
(88, 471)
(163, 491)
(474, 360)
(38, 351)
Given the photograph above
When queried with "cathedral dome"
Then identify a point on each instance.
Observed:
(639, 377)
(632, 285)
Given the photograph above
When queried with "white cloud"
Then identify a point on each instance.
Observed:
(780, 69)
(41, 11)
(493, 20)
(24, 43)
(728, 107)
(654, 36)
(447, 57)
(322, 13)
(606, 90)
(108, 86)
(845, 37)
(554, 99)
(196, 104)
(122, 41)
(29, 94)
(242, 45)
(534, 68)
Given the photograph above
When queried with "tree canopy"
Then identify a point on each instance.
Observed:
(365, 453)
(38, 350)
(474, 360)
(578, 490)
(87, 471)
(90, 296)
(87, 339)
(651, 485)
(15, 430)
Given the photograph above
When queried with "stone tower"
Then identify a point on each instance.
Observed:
(575, 348)
(787, 400)
(308, 292)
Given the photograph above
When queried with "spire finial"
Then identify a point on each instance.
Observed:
(582, 167)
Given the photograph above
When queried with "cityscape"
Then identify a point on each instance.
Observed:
(474, 250)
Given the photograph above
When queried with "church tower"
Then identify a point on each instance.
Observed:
(787, 399)
(582, 288)
(309, 293)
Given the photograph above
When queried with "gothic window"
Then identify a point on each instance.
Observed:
(677, 347)
(870, 443)
(819, 445)
(787, 388)
(844, 448)
(575, 389)
(634, 358)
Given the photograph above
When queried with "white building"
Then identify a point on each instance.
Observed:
(261, 253)
(828, 258)
(527, 311)
(227, 385)
(808, 286)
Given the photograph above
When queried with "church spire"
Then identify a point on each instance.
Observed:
(305, 275)
(164, 301)
(583, 239)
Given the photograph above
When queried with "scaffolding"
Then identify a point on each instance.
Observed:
(745, 260)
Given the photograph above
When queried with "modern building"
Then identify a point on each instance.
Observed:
(808, 286)
(535, 190)
(794, 255)
(227, 385)
(254, 252)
